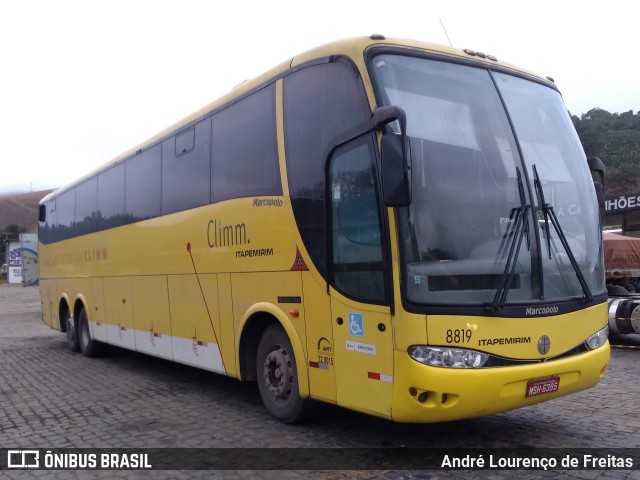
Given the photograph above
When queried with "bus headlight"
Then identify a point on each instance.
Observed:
(598, 339)
(448, 357)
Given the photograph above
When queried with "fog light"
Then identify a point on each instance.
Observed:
(448, 357)
(598, 339)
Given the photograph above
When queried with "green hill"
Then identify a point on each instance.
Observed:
(615, 139)
(21, 210)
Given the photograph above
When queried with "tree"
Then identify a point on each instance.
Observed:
(614, 138)
(593, 143)
(597, 115)
(14, 229)
(622, 179)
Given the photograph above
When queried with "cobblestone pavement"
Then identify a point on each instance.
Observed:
(53, 398)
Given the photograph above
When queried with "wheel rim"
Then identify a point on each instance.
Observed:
(278, 374)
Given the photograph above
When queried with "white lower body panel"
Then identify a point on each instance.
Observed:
(189, 351)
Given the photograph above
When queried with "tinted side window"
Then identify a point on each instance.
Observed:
(185, 141)
(43, 231)
(186, 169)
(66, 208)
(320, 103)
(86, 206)
(143, 186)
(46, 225)
(111, 197)
(245, 156)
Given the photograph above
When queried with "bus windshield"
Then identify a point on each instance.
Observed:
(489, 150)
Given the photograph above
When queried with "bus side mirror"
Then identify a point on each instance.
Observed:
(396, 170)
(383, 115)
(395, 157)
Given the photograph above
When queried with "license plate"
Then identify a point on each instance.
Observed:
(542, 386)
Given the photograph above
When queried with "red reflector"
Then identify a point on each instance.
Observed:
(375, 376)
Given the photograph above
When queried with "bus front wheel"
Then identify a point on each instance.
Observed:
(72, 332)
(278, 378)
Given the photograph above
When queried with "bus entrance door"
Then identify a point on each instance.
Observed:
(361, 322)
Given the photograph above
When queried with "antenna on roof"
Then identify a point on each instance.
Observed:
(445, 32)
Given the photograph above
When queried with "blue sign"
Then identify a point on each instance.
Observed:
(15, 258)
(356, 328)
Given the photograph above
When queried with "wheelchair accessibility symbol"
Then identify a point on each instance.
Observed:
(356, 328)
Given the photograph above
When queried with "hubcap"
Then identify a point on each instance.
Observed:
(278, 373)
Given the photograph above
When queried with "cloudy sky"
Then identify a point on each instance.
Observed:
(84, 80)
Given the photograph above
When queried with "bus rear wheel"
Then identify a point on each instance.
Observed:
(72, 332)
(89, 347)
(278, 378)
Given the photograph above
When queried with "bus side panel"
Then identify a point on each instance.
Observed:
(151, 316)
(193, 305)
(49, 302)
(66, 290)
(322, 370)
(227, 332)
(97, 317)
(119, 312)
(281, 289)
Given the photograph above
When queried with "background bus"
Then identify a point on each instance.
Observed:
(398, 228)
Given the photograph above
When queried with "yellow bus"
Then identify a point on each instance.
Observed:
(398, 228)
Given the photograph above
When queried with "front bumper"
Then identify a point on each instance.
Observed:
(424, 394)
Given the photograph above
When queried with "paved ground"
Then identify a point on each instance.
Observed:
(52, 398)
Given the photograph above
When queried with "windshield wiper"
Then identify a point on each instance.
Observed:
(549, 214)
(521, 227)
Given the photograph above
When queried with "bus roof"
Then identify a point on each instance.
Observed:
(353, 48)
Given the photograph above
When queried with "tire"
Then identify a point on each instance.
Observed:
(617, 291)
(72, 333)
(277, 376)
(88, 346)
